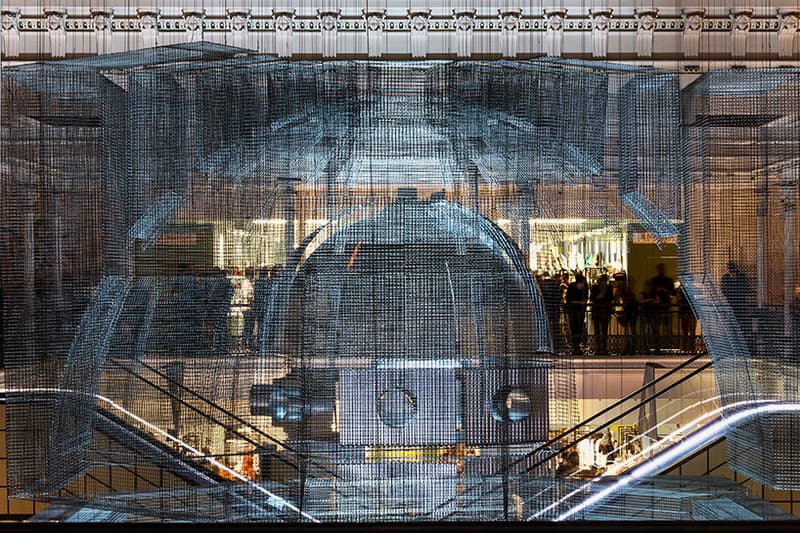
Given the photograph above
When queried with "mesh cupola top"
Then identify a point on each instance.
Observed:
(420, 280)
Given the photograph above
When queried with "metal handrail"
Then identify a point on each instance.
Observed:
(224, 411)
(548, 445)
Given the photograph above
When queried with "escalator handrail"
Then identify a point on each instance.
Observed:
(275, 501)
(643, 401)
(725, 416)
(295, 467)
(547, 446)
(224, 411)
(544, 447)
(201, 473)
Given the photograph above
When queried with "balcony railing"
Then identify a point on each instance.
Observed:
(668, 329)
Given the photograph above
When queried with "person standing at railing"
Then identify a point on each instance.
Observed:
(575, 307)
(219, 302)
(647, 301)
(187, 313)
(663, 290)
(626, 298)
(261, 292)
(736, 288)
(551, 294)
(601, 298)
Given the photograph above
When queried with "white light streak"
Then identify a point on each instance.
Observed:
(703, 437)
(274, 500)
(670, 438)
(648, 451)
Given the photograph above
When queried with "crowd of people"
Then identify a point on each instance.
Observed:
(645, 321)
(196, 310)
(599, 315)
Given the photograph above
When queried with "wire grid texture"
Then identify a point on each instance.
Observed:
(391, 294)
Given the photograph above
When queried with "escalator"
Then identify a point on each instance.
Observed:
(143, 403)
(138, 468)
(628, 481)
(530, 487)
(537, 485)
(193, 472)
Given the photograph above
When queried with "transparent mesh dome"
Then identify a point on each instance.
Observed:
(419, 280)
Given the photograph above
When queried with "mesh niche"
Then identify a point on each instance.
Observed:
(245, 289)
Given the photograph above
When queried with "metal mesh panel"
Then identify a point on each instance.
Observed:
(649, 166)
(699, 499)
(302, 291)
(741, 193)
(53, 178)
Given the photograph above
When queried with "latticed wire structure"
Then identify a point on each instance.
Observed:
(395, 361)
(741, 187)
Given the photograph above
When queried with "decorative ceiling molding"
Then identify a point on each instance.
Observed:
(769, 34)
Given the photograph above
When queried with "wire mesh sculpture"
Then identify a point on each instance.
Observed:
(393, 353)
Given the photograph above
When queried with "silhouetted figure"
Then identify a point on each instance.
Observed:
(551, 294)
(647, 314)
(608, 447)
(601, 297)
(632, 447)
(564, 278)
(187, 313)
(220, 302)
(663, 290)
(261, 291)
(626, 298)
(575, 307)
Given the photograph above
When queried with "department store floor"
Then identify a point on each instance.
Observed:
(618, 386)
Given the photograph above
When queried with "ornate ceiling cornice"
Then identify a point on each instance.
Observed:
(768, 36)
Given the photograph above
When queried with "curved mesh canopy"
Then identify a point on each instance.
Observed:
(236, 288)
